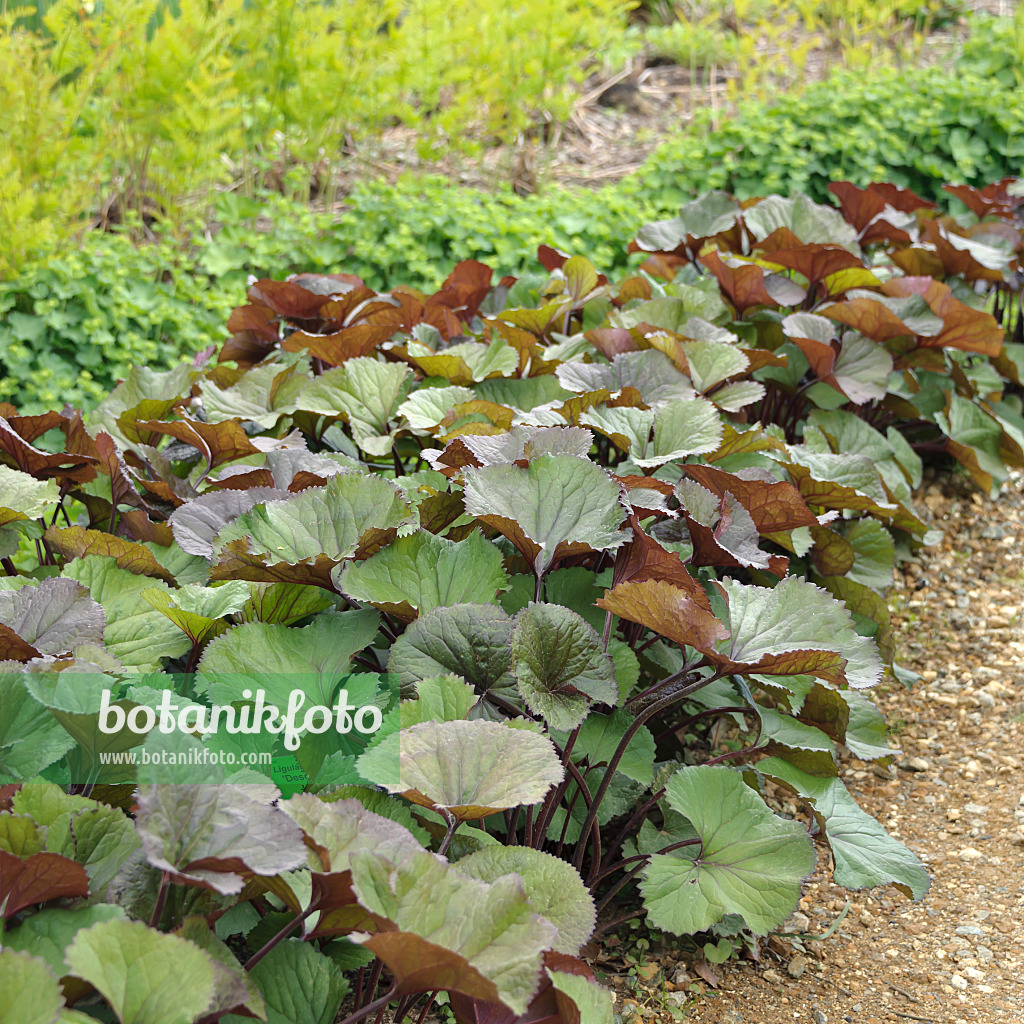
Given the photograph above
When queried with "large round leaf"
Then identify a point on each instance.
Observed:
(554, 888)
(470, 768)
(749, 862)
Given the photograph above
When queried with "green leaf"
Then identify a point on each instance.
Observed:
(468, 936)
(54, 617)
(263, 394)
(711, 362)
(317, 525)
(874, 554)
(29, 993)
(780, 629)
(31, 739)
(20, 835)
(299, 985)
(196, 523)
(555, 502)
(553, 887)
(380, 803)
(49, 932)
(440, 699)
(136, 634)
(709, 214)
(593, 1002)
(24, 497)
(279, 659)
(425, 408)
(865, 854)
(974, 439)
(367, 392)
(199, 612)
(424, 572)
(467, 640)
(599, 738)
(99, 837)
(867, 735)
(471, 768)
(528, 442)
(146, 976)
(651, 372)
(803, 745)
(283, 602)
(805, 218)
(750, 861)
(862, 369)
(233, 986)
(340, 829)
(560, 665)
(683, 428)
(206, 834)
(733, 397)
(628, 428)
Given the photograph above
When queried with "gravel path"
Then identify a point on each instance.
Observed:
(955, 796)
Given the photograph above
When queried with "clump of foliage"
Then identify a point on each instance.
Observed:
(761, 47)
(555, 533)
(75, 324)
(945, 127)
(110, 107)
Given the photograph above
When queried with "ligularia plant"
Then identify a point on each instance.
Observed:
(417, 640)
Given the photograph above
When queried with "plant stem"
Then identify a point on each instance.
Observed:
(426, 1009)
(743, 752)
(615, 922)
(279, 937)
(630, 875)
(637, 817)
(613, 764)
(161, 900)
(377, 1004)
(453, 825)
(709, 713)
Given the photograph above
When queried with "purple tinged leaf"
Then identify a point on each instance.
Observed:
(215, 836)
(554, 502)
(469, 768)
(481, 939)
(54, 617)
(197, 523)
(560, 665)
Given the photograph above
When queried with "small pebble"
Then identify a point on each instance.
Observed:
(818, 1017)
(797, 924)
(772, 977)
(969, 929)
(959, 983)
(970, 853)
(797, 966)
(913, 764)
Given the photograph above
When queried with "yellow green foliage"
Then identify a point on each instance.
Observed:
(150, 105)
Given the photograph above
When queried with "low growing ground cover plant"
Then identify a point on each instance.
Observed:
(606, 564)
